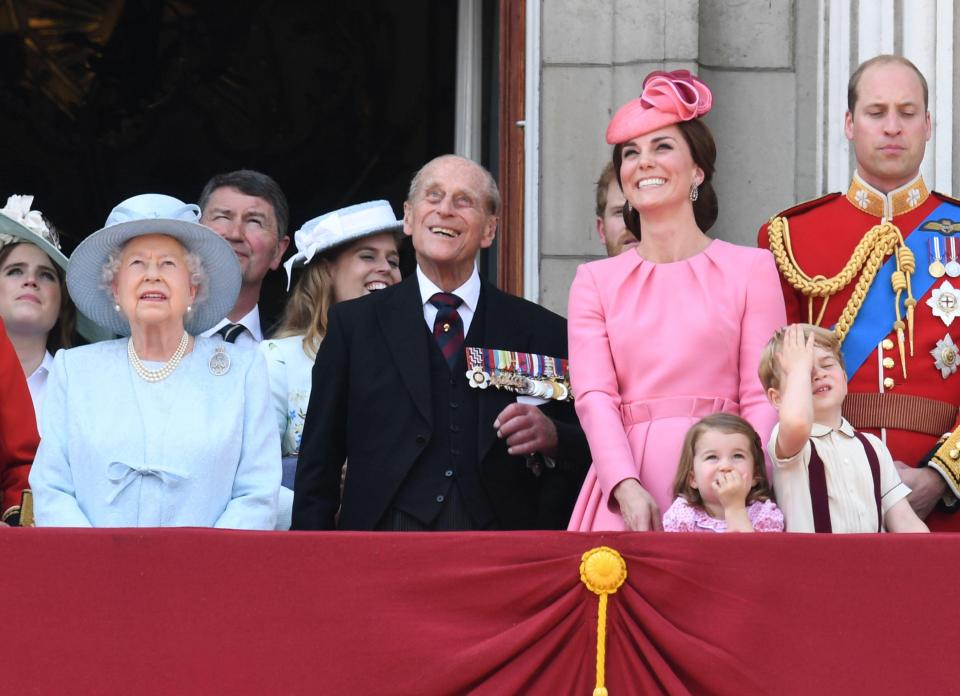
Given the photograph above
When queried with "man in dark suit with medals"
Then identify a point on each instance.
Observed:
(879, 265)
(426, 448)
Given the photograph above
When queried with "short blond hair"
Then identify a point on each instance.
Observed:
(769, 369)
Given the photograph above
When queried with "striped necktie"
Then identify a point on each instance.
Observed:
(448, 326)
(230, 332)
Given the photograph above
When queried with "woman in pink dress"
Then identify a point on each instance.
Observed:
(672, 329)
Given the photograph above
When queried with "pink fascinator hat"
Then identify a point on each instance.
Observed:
(667, 98)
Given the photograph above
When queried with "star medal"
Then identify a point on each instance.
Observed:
(945, 356)
(945, 302)
(936, 267)
(953, 268)
(219, 362)
(477, 378)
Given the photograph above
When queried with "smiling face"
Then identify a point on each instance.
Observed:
(30, 291)
(611, 228)
(367, 265)
(449, 218)
(717, 452)
(889, 125)
(249, 223)
(152, 285)
(657, 170)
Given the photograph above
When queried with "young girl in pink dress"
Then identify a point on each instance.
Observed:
(721, 483)
(671, 330)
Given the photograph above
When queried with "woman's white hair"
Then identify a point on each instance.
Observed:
(198, 274)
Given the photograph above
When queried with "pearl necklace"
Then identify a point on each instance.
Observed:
(166, 369)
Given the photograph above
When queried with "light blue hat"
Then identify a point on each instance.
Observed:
(154, 213)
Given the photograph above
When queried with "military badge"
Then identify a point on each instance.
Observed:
(945, 302)
(945, 356)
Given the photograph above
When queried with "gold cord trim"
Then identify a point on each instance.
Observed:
(867, 258)
(603, 571)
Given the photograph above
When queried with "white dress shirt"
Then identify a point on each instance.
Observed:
(37, 383)
(469, 292)
(251, 322)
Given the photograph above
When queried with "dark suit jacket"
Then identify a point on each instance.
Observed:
(370, 406)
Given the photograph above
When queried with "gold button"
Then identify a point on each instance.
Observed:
(887, 344)
(954, 454)
(888, 363)
(888, 383)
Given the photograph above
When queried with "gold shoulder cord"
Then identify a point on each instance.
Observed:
(866, 260)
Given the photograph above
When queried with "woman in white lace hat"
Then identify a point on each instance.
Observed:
(163, 428)
(348, 253)
(34, 304)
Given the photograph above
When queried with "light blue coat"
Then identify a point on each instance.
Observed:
(193, 450)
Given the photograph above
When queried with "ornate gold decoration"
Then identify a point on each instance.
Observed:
(866, 260)
(603, 571)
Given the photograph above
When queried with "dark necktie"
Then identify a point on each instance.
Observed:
(448, 327)
(231, 332)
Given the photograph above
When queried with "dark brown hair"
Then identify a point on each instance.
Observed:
(732, 425)
(251, 183)
(61, 335)
(703, 149)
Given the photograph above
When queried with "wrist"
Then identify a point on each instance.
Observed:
(626, 487)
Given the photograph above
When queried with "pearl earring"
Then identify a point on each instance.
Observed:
(116, 308)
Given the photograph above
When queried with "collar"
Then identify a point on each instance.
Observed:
(819, 429)
(44, 367)
(899, 201)
(469, 292)
(250, 321)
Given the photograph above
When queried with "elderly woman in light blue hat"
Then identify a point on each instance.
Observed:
(348, 253)
(162, 427)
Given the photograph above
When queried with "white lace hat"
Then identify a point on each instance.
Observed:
(154, 213)
(339, 227)
(20, 224)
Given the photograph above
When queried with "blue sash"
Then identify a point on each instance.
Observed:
(875, 318)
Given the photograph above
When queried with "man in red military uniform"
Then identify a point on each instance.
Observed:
(18, 431)
(881, 264)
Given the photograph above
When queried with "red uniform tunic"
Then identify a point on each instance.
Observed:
(18, 429)
(823, 235)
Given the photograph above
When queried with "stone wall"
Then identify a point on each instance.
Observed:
(594, 55)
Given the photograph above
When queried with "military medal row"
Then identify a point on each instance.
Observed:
(528, 374)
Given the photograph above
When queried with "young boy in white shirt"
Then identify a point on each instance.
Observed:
(827, 476)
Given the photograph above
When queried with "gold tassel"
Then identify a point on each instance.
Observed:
(603, 571)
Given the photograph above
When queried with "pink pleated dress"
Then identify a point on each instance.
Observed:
(655, 347)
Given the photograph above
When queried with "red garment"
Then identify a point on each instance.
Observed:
(823, 235)
(212, 611)
(18, 428)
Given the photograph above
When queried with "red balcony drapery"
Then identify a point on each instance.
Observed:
(208, 611)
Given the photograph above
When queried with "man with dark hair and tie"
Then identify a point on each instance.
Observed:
(249, 210)
(392, 394)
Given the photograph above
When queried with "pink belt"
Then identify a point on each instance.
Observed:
(675, 407)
